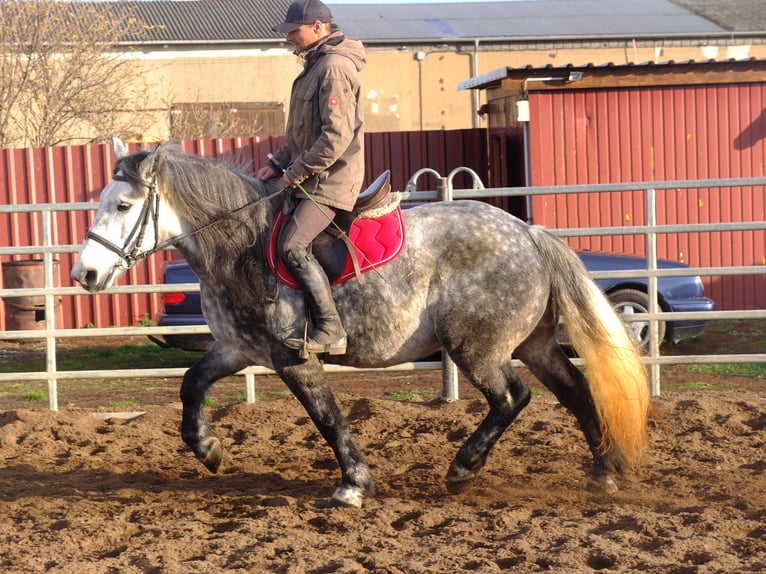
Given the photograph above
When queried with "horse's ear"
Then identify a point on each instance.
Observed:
(156, 158)
(119, 148)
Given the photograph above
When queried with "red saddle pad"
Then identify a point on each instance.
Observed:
(376, 241)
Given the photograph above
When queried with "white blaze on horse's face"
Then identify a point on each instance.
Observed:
(122, 221)
(97, 266)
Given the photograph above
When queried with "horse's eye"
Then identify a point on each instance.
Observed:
(123, 206)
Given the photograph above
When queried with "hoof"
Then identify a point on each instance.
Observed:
(458, 486)
(347, 496)
(459, 478)
(604, 484)
(209, 451)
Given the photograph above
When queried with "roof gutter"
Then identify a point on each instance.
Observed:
(487, 41)
(276, 42)
(729, 36)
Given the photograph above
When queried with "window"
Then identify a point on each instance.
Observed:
(226, 120)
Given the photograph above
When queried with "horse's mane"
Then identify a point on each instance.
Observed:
(201, 191)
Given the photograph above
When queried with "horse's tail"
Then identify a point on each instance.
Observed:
(616, 375)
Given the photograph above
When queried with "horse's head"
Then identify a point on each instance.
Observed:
(127, 225)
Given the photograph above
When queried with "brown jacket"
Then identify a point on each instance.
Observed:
(325, 125)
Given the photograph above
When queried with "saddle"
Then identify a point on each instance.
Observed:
(366, 238)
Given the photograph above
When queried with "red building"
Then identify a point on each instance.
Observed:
(639, 123)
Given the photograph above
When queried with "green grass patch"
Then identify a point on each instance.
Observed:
(264, 396)
(127, 357)
(19, 366)
(692, 386)
(702, 386)
(29, 392)
(14, 388)
(93, 358)
(735, 334)
(154, 384)
(752, 370)
(33, 396)
(409, 395)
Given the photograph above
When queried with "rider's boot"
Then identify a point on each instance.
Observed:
(328, 335)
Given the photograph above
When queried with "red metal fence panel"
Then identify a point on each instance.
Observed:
(658, 134)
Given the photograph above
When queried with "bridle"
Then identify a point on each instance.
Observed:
(129, 253)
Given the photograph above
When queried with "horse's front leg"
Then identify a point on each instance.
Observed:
(306, 381)
(507, 396)
(195, 429)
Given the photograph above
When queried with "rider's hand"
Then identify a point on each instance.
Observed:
(266, 172)
(286, 180)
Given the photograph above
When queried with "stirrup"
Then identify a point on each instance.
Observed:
(306, 346)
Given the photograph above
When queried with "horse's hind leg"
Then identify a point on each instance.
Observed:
(507, 395)
(306, 381)
(195, 429)
(547, 361)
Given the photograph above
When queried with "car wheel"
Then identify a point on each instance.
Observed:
(628, 302)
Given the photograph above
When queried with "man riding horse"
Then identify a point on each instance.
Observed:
(323, 159)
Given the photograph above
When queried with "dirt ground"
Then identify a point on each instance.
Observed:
(82, 495)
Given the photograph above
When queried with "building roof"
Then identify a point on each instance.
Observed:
(203, 21)
(569, 75)
(519, 19)
(248, 21)
(732, 15)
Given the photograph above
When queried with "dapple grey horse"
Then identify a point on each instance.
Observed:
(472, 279)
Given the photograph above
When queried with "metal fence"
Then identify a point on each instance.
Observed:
(444, 191)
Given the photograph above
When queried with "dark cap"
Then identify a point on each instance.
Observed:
(303, 12)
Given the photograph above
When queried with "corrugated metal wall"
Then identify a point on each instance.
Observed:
(658, 133)
(79, 173)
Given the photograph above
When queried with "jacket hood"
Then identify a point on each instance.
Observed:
(337, 43)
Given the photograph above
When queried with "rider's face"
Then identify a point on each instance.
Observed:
(304, 36)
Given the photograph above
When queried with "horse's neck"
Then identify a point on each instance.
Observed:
(215, 251)
(261, 225)
(188, 248)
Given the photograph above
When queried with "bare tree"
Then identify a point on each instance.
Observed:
(62, 78)
(208, 120)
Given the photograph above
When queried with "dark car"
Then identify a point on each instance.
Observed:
(182, 309)
(628, 296)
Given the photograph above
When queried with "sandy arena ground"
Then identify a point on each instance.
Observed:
(79, 495)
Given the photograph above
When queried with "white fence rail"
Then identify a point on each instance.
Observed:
(444, 191)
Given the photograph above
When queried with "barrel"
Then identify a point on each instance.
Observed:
(27, 313)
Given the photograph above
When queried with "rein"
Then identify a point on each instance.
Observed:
(151, 209)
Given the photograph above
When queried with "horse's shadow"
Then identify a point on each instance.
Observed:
(248, 488)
